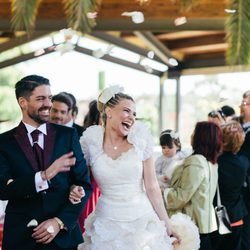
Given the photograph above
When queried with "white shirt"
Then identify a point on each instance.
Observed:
(69, 124)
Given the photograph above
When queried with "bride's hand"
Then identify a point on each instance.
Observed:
(76, 194)
(175, 238)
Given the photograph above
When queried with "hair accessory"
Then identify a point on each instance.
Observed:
(234, 129)
(109, 92)
(232, 126)
(173, 134)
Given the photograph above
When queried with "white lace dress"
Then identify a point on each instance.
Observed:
(124, 217)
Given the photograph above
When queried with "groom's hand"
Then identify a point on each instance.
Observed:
(46, 231)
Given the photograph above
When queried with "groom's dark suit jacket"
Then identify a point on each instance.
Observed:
(79, 129)
(17, 162)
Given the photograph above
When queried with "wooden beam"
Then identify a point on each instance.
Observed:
(160, 25)
(17, 41)
(216, 70)
(119, 61)
(158, 9)
(23, 58)
(203, 62)
(170, 36)
(154, 25)
(163, 8)
(195, 41)
(122, 44)
(155, 45)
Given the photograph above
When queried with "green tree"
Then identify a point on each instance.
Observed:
(9, 110)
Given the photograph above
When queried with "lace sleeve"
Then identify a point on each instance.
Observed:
(91, 143)
(142, 140)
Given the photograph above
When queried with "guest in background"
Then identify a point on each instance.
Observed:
(193, 183)
(245, 150)
(73, 114)
(92, 118)
(61, 107)
(232, 175)
(216, 116)
(229, 112)
(171, 157)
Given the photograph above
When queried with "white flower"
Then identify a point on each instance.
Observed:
(32, 223)
(109, 92)
(174, 135)
(137, 16)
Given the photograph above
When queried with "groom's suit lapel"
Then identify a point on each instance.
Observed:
(49, 142)
(24, 143)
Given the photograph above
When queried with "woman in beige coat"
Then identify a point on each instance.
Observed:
(193, 183)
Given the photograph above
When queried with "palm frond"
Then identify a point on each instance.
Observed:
(24, 13)
(237, 33)
(76, 12)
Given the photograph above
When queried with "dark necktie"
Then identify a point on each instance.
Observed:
(38, 152)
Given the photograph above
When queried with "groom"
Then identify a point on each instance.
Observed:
(36, 175)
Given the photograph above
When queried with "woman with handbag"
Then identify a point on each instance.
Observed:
(193, 183)
(232, 175)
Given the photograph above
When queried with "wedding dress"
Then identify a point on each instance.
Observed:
(124, 218)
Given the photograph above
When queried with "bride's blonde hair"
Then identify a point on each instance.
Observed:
(112, 102)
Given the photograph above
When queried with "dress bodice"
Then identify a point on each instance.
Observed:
(123, 196)
(114, 175)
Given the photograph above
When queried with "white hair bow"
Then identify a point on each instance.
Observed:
(109, 92)
(173, 134)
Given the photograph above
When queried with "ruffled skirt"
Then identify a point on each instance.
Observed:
(144, 233)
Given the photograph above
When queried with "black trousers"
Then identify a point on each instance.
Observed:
(246, 233)
(230, 241)
(205, 242)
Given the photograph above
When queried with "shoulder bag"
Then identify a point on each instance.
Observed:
(223, 221)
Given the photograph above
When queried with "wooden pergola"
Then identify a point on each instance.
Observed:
(200, 42)
(195, 38)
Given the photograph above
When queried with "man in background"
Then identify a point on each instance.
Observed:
(245, 149)
(72, 115)
(61, 108)
(229, 112)
(64, 111)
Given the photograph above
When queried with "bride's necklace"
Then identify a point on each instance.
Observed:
(115, 147)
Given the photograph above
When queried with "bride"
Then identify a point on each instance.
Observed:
(130, 212)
